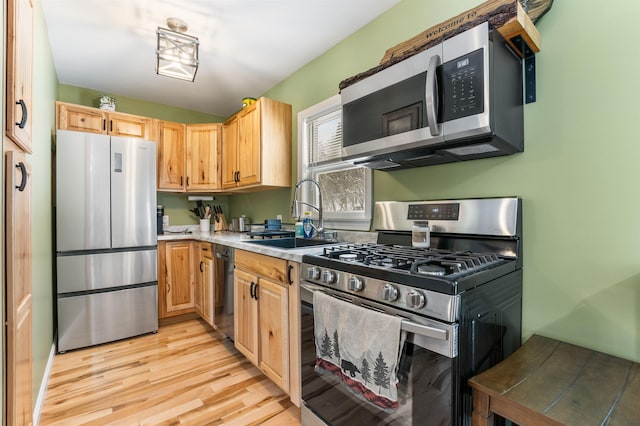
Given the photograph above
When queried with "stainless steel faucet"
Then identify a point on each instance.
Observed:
(295, 205)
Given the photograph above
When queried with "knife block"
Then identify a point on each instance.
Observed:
(221, 225)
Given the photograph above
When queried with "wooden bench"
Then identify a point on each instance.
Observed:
(549, 382)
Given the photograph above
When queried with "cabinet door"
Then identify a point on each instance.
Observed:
(171, 155)
(207, 273)
(81, 119)
(129, 125)
(198, 295)
(19, 72)
(203, 157)
(180, 285)
(18, 277)
(229, 153)
(245, 315)
(249, 145)
(295, 363)
(273, 308)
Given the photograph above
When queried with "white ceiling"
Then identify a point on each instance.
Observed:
(246, 46)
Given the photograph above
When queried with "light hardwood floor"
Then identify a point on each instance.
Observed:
(183, 375)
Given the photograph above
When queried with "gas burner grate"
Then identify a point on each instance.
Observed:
(418, 261)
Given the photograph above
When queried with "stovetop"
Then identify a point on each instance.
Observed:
(441, 270)
(429, 262)
(473, 241)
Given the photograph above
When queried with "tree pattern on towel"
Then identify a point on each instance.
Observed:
(381, 372)
(366, 371)
(325, 348)
(336, 346)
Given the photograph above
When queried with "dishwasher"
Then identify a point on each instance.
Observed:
(224, 290)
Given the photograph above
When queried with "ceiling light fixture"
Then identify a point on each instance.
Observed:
(177, 52)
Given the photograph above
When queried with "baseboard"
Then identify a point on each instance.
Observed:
(44, 384)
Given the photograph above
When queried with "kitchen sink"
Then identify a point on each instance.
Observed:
(290, 243)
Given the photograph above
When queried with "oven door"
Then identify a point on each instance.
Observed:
(426, 388)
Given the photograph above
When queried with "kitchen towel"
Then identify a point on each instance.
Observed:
(359, 346)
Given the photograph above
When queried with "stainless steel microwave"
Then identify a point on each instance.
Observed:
(459, 100)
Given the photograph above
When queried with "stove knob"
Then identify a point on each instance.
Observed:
(313, 273)
(415, 299)
(389, 293)
(355, 284)
(328, 277)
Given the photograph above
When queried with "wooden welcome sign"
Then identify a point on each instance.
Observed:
(507, 16)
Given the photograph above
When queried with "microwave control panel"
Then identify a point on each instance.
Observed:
(463, 89)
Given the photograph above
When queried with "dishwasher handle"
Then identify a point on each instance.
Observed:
(222, 256)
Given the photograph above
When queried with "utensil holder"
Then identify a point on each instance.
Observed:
(205, 225)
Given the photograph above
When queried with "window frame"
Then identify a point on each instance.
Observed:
(356, 221)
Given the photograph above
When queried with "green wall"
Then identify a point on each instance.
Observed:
(578, 175)
(44, 95)
(89, 97)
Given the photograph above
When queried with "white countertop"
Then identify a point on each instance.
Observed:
(242, 241)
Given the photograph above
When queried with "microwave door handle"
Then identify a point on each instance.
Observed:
(431, 95)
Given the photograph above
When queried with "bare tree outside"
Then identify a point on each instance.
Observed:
(343, 191)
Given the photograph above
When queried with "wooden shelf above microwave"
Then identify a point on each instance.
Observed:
(507, 16)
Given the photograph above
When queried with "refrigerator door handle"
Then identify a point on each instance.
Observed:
(117, 162)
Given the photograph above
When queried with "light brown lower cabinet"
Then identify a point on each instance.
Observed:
(205, 299)
(266, 297)
(176, 278)
(19, 294)
(263, 324)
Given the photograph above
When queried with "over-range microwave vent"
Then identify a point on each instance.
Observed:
(456, 101)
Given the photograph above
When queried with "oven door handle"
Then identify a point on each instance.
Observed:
(409, 326)
(425, 330)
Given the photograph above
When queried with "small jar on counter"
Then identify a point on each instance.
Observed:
(420, 235)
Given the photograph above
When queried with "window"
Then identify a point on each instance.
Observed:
(346, 189)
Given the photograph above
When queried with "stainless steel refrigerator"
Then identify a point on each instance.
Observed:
(106, 242)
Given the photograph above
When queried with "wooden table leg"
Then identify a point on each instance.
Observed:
(481, 416)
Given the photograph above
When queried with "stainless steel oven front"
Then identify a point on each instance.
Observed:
(426, 388)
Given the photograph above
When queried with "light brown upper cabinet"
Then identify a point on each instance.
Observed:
(256, 147)
(189, 157)
(94, 120)
(171, 154)
(203, 157)
(19, 112)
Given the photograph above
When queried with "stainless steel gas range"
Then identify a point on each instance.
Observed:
(460, 301)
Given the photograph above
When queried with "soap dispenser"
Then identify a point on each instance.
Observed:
(307, 227)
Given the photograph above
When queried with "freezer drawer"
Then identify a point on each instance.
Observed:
(87, 272)
(104, 317)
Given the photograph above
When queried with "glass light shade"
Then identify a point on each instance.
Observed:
(177, 55)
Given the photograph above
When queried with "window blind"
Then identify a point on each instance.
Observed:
(325, 138)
